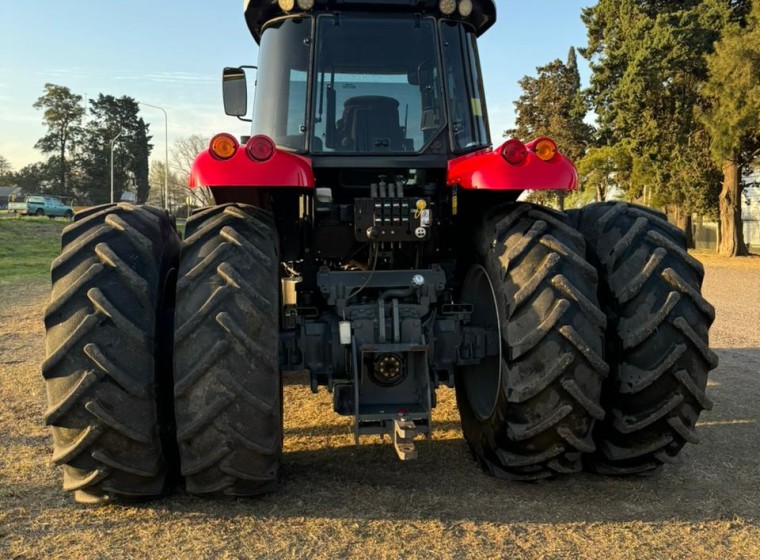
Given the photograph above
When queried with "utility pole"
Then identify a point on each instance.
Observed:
(166, 150)
(112, 144)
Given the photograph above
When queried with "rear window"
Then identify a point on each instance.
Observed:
(34, 199)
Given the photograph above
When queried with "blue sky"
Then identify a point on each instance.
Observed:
(171, 53)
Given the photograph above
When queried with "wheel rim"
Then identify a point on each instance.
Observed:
(482, 381)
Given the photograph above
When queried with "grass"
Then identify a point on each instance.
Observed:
(27, 246)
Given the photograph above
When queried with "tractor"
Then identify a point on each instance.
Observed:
(369, 234)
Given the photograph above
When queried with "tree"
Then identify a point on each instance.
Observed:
(604, 168)
(37, 177)
(6, 171)
(733, 119)
(648, 64)
(184, 152)
(552, 105)
(5, 166)
(156, 180)
(109, 117)
(183, 155)
(62, 115)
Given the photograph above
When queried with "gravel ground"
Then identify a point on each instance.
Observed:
(340, 501)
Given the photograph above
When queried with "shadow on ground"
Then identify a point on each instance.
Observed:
(715, 481)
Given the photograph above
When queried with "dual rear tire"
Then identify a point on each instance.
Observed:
(615, 293)
(116, 411)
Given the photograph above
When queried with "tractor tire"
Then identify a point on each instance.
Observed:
(228, 391)
(529, 414)
(657, 337)
(103, 371)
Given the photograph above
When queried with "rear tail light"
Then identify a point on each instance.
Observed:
(223, 146)
(514, 151)
(260, 148)
(545, 149)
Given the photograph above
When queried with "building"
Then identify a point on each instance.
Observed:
(6, 193)
(751, 211)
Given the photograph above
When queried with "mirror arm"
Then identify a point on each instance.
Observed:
(244, 119)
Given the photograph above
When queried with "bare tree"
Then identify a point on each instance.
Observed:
(184, 152)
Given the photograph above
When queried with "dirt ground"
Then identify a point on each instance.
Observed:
(339, 501)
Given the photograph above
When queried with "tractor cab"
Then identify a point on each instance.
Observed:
(393, 80)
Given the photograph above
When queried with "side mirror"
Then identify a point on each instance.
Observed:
(235, 92)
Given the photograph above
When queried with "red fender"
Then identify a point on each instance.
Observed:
(488, 170)
(283, 169)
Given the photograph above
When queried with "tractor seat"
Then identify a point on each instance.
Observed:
(370, 123)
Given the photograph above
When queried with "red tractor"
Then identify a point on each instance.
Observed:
(370, 234)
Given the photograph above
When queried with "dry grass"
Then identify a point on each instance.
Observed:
(714, 261)
(340, 501)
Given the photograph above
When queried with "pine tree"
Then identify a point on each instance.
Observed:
(109, 116)
(62, 115)
(552, 104)
(733, 119)
(648, 59)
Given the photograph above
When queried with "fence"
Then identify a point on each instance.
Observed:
(705, 233)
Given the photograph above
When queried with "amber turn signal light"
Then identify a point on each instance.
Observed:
(545, 149)
(223, 146)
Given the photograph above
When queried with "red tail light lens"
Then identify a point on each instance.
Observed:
(514, 151)
(260, 148)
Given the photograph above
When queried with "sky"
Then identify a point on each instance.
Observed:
(171, 54)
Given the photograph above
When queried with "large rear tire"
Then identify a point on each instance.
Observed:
(529, 414)
(228, 392)
(657, 337)
(102, 370)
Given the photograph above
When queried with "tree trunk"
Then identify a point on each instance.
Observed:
(731, 242)
(600, 192)
(682, 219)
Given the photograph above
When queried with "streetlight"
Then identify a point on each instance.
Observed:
(166, 154)
(112, 143)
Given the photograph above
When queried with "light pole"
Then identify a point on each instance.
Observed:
(166, 152)
(112, 143)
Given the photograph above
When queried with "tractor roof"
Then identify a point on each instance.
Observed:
(259, 12)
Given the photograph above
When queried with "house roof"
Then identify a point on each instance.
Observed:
(7, 191)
